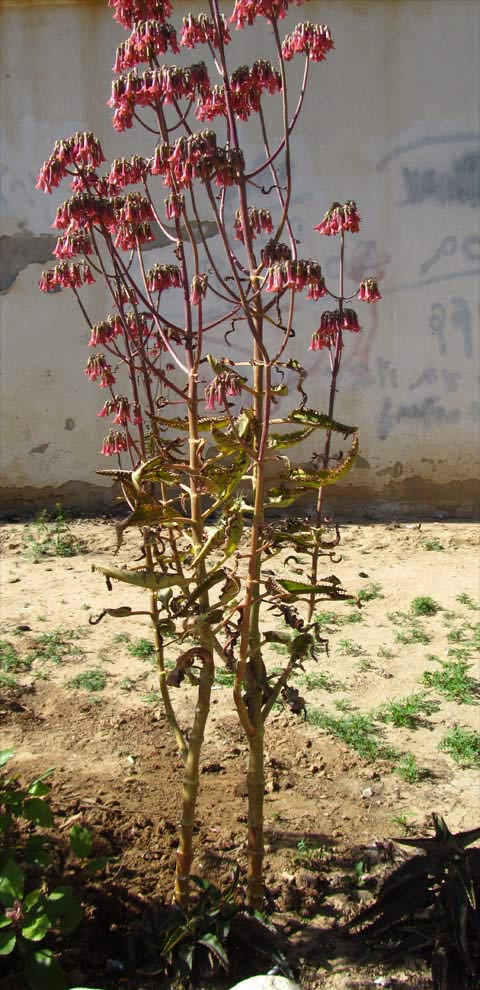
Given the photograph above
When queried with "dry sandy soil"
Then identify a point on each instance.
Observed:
(328, 808)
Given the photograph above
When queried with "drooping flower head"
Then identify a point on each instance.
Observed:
(312, 40)
(368, 290)
(340, 218)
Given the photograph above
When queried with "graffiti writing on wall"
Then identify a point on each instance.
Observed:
(458, 184)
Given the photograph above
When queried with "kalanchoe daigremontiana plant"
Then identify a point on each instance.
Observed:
(198, 431)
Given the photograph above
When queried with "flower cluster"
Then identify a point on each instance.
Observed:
(128, 12)
(82, 149)
(174, 205)
(66, 276)
(296, 275)
(98, 368)
(312, 40)
(127, 172)
(105, 331)
(115, 443)
(368, 290)
(198, 289)
(162, 277)
(197, 157)
(275, 251)
(147, 39)
(85, 209)
(258, 220)
(202, 30)
(331, 323)
(339, 218)
(167, 84)
(246, 88)
(74, 241)
(227, 383)
(245, 11)
(121, 410)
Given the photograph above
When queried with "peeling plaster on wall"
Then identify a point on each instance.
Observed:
(40, 449)
(24, 248)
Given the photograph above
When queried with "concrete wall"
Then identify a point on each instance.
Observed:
(392, 120)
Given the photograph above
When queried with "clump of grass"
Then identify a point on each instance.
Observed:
(10, 659)
(370, 592)
(454, 681)
(466, 600)
(409, 770)
(143, 649)
(310, 853)
(424, 605)
(8, 681)
(414, 634)
(324, 619)
(407, 713)
(348, 648)
(432, 545)
(352, 618)
(385, 653)
(51, 536)
(56, 646)
(463, 745)
(356, 730)
(152, 697)
(320, 681)
(224, 677)
(94, 679)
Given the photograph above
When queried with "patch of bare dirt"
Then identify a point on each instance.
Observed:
(327, 808)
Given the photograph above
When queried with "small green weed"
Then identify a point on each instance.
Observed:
(404, 822)
(352, 618)
(11, 661)
(356, 730)
(224, 677)
(56, 646)
(126, 684)
(51, 536)
(310, 853)
(407, 712)
(370, 592)
(463, 745)
(321, 681)
(398, 618)
(413, 635)
(8, 681)
(94, 679)
(348, 648)
(385, 653)
(342, 705)
(152, 697)
(454, 681)
(432, 545)
(143, 649)
(466, 600)
(324, 619)
(409, 770)
(424, 605)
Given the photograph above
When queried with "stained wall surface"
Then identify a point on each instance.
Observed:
(392, 121)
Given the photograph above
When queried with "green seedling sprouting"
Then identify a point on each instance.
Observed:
(349, 648)
(320, 682)
(432, 545)
(11, 661)
(143, 649)
(466, 600)
(463, 745)
(356, 730)
(56, 646)
(224, 678)
(407, 713)
(424, 605)
(94, 679)
(370, 592)
(385, 653)
(413, 635)
(408, 769)
(51, 536)
(454, 681)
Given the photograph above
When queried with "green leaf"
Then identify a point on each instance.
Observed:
(141, 578)
(314, 418)
(302, 588)
(64, 909)
(95, 865)
(32, 899)
(7, 942)
(39, 812)
(11, 881)
(214, 945)
(277, 441)
(35, 851)
(37, 787)
(5, 756)
(81, 840)
(43, 972)
(36, 925)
